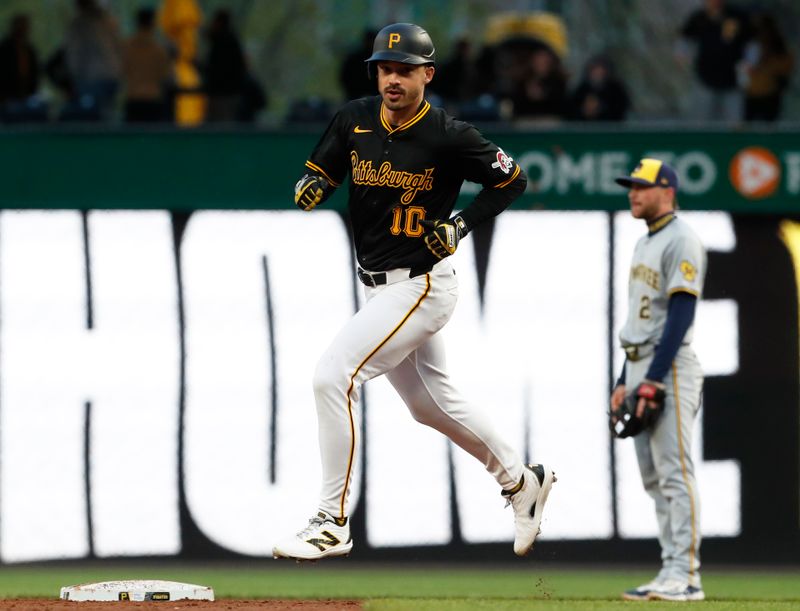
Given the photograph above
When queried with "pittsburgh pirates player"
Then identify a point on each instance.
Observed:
(666, 280)
(406, 161)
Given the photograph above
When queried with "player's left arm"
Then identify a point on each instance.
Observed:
(680, 316)
(683, 263)
(485, 163)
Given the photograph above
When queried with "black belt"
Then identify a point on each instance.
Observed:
(374, 279)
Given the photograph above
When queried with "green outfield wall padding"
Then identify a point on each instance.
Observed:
(751, 171)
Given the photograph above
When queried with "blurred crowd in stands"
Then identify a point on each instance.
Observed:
(102, 75)
(741, 62)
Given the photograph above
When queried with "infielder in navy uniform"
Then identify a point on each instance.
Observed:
(406, 161)
(665, 283)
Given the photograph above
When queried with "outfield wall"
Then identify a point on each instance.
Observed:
(155, 372)
(749, 171)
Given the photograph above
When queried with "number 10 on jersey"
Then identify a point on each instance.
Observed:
(407, 220)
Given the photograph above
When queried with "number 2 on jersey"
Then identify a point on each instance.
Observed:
(406, 220)
(644, 307)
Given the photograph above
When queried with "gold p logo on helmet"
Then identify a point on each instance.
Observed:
(406, 43)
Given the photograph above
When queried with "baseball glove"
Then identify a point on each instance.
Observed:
(624, 422)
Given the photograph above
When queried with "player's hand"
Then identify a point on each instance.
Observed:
(309, 191)
(442, 237)
(617, 397)
(637, 412)
(651, 396)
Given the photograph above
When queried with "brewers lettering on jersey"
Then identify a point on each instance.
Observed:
(665, 282)
(406, 162)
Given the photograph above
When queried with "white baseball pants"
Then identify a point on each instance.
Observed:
(396, 333)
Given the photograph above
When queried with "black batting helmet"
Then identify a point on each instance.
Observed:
(405, 43)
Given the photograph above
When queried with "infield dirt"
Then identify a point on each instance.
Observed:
(46, 604)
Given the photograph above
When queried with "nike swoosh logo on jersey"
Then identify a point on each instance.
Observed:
(358, 130)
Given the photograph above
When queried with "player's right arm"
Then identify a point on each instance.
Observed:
(326, 167)
(617, 397)
(618, 394)
(310, 190)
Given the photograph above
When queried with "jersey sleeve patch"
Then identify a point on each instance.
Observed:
(688, 271)
(684, 262)
(504, 162)
(685, 276)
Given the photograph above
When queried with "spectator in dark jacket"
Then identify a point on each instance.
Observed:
(719, 34)
(353, 76)
(93, 48)
(19, 63)
(601, 95)
(225, 69)
(541, 90)
(456, 76)
(768, 71)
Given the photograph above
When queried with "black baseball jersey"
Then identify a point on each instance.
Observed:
(401, 175)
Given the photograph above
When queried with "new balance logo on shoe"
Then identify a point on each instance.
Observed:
(320, 544)
(325, 536)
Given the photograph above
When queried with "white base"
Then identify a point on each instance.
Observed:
(137, 590)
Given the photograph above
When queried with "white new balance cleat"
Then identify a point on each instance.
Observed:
(324, 537)
(528, 503)
(676, 590)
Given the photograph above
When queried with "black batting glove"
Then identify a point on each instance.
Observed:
(309, 191)
(442, 237)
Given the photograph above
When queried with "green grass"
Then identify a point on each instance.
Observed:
(565, 605)
(401, 587)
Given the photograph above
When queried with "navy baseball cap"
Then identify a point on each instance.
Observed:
(650, 173)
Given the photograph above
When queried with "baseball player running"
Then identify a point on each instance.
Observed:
(406, 161)
(666, 280)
